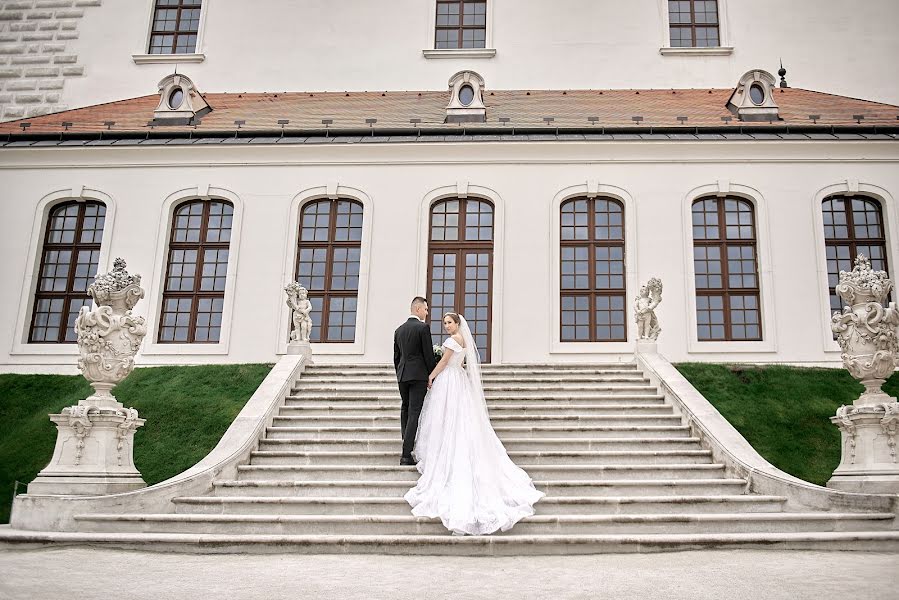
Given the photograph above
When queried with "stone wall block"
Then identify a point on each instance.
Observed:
(39, 15)
(51, 26)
(37, 37)
(20, 85)
(51, 84)
(36, 111)
(9, 38)
(13, 112)
(68, 25)
(67, 35)
(53, 48)
(30, 59)
(53, 4)
(69, 14)
(10, 73)
(42, 72)
(13, 49)
(9, 15)
(24, 26)
(63, 59)
(73, 71)
(52, 98)
(19, 5)
(29, 98)
(5, 98)
(88, 2)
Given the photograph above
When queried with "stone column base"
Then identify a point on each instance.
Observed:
(870, 458)
(300, 348)
(94, 453)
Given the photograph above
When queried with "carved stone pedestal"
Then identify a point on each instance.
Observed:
(869, 434)
(647, 346)
(300, 348)
(94, 452)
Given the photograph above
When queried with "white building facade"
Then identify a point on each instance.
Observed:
(537, 205)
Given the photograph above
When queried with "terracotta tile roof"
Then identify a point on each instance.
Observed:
(524, 109)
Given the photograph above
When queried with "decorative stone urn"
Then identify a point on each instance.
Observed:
(866, 332)
(94, 444)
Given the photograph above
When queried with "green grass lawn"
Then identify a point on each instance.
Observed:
(187, 410)
(784, 412)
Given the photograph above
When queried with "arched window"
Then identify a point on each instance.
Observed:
(725, 262)
(852, 226)
(460, 255)
(68, 265)
(592, 270)
(194, 290)
(330, 248)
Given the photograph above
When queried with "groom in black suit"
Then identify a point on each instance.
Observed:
(413, 358)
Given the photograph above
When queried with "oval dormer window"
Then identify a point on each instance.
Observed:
(756, 94)
(466, 95)
(176, 98)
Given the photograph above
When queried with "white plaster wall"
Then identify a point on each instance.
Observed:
(525, 177)
(833, 46)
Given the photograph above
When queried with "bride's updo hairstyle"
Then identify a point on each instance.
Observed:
(454, 317)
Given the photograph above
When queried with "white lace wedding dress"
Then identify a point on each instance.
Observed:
(467, 479)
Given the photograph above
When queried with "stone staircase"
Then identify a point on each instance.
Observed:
(620, 469)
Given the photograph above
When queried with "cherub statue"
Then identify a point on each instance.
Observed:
(644, 310)
(298, 301)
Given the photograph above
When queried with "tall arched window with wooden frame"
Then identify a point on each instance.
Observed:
(194, 290)
(68, 266)
(725, 264)
(328, 258)
(592, 271)
(460, 274)
(852, 226)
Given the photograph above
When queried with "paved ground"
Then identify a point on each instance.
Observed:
(101, 574)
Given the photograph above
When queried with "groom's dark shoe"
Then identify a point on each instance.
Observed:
(407, 461)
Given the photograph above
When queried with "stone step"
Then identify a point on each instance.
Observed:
(393, 444)
(493, 401)
(534, 525)
(510, 544)
(394, 472)
(360, 460)
(522, 388)
(494, 379)
(486, 369)
(397, 488)
(555, 394)
(348, 409)
(351, 432)
(497, 420)
(549, 505)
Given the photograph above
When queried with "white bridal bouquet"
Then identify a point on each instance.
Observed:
(438, 352)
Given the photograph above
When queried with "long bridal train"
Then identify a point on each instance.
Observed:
(467, 479)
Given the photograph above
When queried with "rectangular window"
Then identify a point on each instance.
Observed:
(175, 27)
(693, 23)
(461, 24)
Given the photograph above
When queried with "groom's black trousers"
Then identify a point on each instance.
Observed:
(413, 395)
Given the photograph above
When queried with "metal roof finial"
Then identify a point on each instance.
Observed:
(783, 73)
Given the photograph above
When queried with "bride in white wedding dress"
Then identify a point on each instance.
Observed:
(467, 479)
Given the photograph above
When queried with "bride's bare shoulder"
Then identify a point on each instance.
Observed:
(458, 339)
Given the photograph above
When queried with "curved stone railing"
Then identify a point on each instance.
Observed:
(55, 513)
(729, 447)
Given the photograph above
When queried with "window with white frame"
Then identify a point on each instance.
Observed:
(693, 24)
(176, 24)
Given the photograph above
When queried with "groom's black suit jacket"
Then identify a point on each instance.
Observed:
(413, 351)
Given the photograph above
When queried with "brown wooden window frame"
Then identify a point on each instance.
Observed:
(196, 294)
(462, 247)
(593, 293)
(464, 8)
(695, 26)
(728, 293)
(65, 333)
(182, 29)
(321, 331)
(852, 240)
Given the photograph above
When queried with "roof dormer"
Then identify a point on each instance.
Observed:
(753, 98)
(180, 102)
(466, 98)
